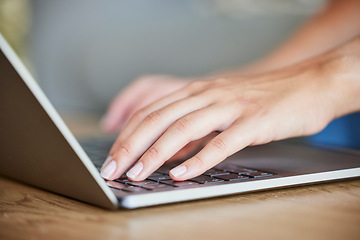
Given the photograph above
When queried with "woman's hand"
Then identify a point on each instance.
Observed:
(245, 111)
(137, 95)
(296, 101)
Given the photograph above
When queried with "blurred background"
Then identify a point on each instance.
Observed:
(82, 52)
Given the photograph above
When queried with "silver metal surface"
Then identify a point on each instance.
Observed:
(294, 164)
(36, 147)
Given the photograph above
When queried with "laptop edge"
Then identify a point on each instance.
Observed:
(83, 182)
(109, 200)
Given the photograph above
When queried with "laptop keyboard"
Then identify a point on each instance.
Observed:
(97, 150)
(160, 180)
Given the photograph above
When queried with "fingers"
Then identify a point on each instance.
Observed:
(120, 106)
(186, 129)
(139, 103)
(192, 147)
(185, 92)
(140, 115)
(233, 139)
(138, 94)
(130, 148)
(157, 132)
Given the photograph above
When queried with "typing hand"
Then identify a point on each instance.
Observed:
(246, 111)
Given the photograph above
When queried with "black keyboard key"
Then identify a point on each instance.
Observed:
(123, 180)
(141, 183)
(258, 174)
(124, 187)
(123, 176)
(157, 186)
(235, 169)
(155, 174)
(134, 189)
(180, 183)
(214, 172)
(162, 177)
(163, 170)
(205, 179)
(116, 185)
(232, 177)
(242, 171)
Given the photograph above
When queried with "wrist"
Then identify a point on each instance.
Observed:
(341, 70)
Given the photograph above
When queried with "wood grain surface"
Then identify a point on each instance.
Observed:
(324, 211)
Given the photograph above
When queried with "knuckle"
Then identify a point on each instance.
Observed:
(198, 85)
(200, 161)
(153, 153)
(211, 87)
(139, 115)
(153, 117)
(257, 112)
(218, 144)
(182, 124)
(212, 91)
(125, 149)
(261, 139)
(215, 84)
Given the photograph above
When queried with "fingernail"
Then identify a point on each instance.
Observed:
(107, 160)
(178, 171)
(134, 172)
(109, 170)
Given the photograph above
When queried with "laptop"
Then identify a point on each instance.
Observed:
(37, 148)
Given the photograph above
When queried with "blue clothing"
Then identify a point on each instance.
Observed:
(342, 132)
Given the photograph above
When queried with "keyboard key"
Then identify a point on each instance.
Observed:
(161, 177)
(124, 187)
(258, 174)
(116, 185)
(242, 171)
(142, 183)
(155, 174)
(215, 172)
(232, 177)
(157, 186)
(205, 179)
(134, 189)
(123, 180)
(179, 183)
(165, 169)
(235, 169)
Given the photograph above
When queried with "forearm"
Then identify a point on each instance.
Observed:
(335, 76)
(342, 67)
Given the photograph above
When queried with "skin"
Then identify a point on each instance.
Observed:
(267, 101)
(140, 93)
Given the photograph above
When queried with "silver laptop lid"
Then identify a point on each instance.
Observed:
(54, 161)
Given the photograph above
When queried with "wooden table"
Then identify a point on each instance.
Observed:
(324, 211)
